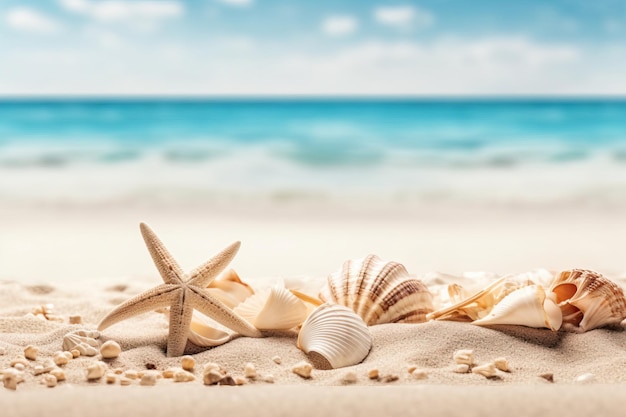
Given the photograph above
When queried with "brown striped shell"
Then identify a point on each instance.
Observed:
(588, 299)
(378, 291)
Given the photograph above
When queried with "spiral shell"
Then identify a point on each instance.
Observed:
(378, 291)
(334, 336)
(527, 306)
(588, 299)
(273, 309)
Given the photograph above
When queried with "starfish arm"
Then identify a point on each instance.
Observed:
(166, 264)
(205, 303)
(205, 273)
(157, 297)
(180, 318)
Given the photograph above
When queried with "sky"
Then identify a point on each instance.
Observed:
(321, 47)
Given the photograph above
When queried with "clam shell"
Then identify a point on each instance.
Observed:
(273, 309)
(527, 306)
(206, 333)
(334, 336)
(378, 291)
(588, 299)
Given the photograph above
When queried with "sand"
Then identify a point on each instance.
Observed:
(505, 240)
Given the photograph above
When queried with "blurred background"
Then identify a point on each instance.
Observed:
(438, 112)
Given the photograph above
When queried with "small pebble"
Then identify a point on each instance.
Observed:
(131, 374)
(30, 352)
(461, 368)
(411, 368)
(547, 376)
(349, 377)
(183, 376)
(464, 356)
(302, 369)
(501, 364)
(487, 370)
(269, 378)
(49, 365)
(227, 380)
(125, 381)
(110, 378)
(19, 366)
(249, 370)
(50, 380)
(58, 373)
(188, 363)
(118, 371)
(390, 378)
(419, 374)
(75, 353)
(2, 351)
(169, 372)
(60, 359)
(76, 320)
(240, 380)
(38, 370)
(96, 370)
(20, 361)
(148, 379)
(213, 376)
(68, 355)
(585, 378)
(277, 360)
(110, 349)
(372, 373)
(10, 378)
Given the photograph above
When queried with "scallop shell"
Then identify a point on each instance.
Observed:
(230, 289)
(334, 336)
(527, 306)
(273, 309)
(588, 299)
(82, 340)
(378, 291)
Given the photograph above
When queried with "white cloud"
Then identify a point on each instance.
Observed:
(339, 25)
(403, 16)
(118, 10)
(237, 3)
(30, 20)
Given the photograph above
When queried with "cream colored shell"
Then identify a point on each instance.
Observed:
(527, 306)
(82, 340)
(230, 289)
(276, 308)
(588, 299)
(378, 291)
(334, 336)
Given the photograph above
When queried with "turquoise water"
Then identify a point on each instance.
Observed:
(509, 151)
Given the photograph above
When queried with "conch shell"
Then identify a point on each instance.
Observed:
(588, 300)
(378, 291)
(273, 309)
(334, 336)
(527, 306)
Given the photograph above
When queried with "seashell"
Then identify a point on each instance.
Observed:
(273, 309)
(479, 304)
(334, 336)
(378, 291)
(528, 306)
(110, 349)
(82, 340)
(203, 331)
(588, 300)
(230, 289)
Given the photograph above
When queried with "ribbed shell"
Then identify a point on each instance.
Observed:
(588, 299)
(527, 306)
(337, 334)
(273, 309)
(82, 340)
(378, 291)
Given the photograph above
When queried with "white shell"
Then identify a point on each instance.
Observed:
(273, 309)
(230, 289)
(334, 336)
(204, 332)
(527, 306)
(82, 340)
(378, 291)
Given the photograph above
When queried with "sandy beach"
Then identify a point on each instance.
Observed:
(87, 261)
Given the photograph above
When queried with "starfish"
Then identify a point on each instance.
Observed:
(182, 293)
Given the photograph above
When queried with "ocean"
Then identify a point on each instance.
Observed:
(398, 151)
